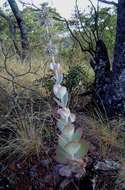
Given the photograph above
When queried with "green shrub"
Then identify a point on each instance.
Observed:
(78, 76)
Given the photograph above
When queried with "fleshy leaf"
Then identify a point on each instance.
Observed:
(60, 124)
(72, 148)
(77, 135)
(82, 151)
(72, 118)
(61, 155)
(62, 141)
(64, 113)
(59, 91)
(68, 131)
(65, 99)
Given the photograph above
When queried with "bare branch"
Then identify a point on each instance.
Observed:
(96, 17)
(20, 85)
(30, 4)
(83, 49)
(109, 2)
(79, 17)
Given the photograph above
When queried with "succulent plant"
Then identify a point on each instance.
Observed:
(71, 147)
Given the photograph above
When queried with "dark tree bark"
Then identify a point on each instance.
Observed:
(117, 99)
(101, 87)
(102, 66)
(22, 28)
(101, 69)
(119, 52)
(113, 96)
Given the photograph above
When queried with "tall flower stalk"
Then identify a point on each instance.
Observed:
(47, 21)
(71, 148)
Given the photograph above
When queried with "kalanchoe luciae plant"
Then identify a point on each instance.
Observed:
(71, 148)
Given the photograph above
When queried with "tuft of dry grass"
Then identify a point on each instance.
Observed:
(120, 181)
(106, 136)
(25, 139)
(24, 134)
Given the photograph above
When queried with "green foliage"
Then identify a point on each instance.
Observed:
(69, 51)
(74, 77)
(77, 76)
(107, 27)
(4, 30)
(88, 31)
(35, 27)
(48, 84)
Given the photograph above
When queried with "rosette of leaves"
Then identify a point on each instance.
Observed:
(71, 147)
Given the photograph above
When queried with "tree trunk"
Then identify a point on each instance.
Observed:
(102, 74)
(119, 51)
(116, 97)
(102, 66)
(110, 85)
(22, 27)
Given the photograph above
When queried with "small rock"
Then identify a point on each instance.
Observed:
(65, 171)
(107, 165)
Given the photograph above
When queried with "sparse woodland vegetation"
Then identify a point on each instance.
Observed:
(62, 97)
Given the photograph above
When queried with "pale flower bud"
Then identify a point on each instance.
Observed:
(55, 66)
